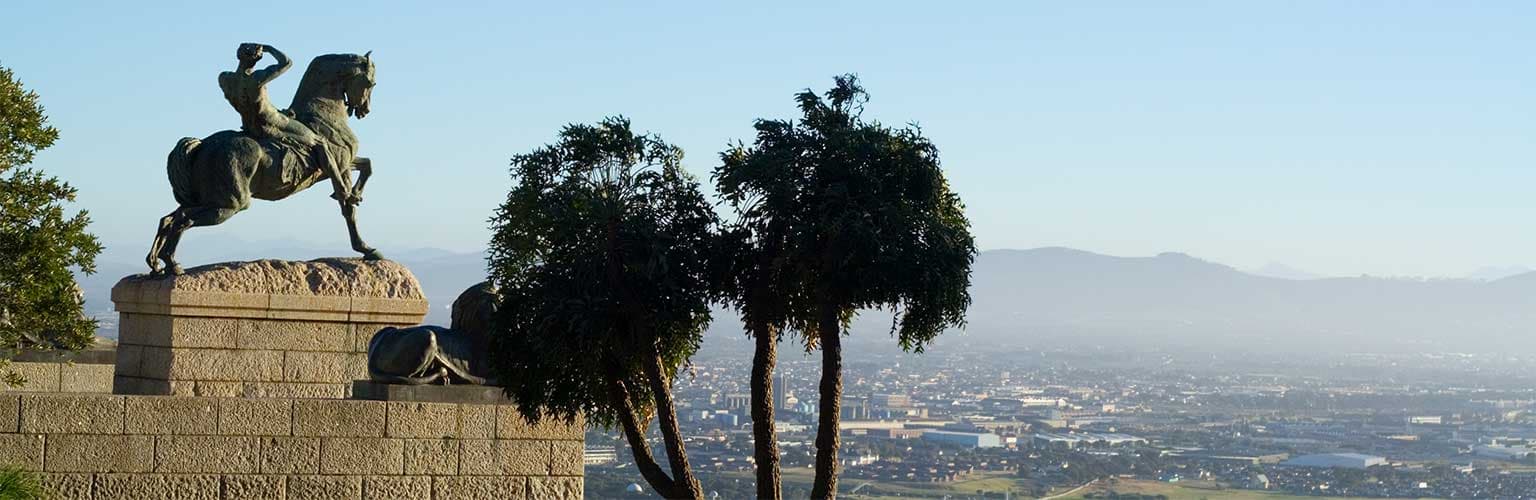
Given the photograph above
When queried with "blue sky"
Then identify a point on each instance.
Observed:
(1389, 138)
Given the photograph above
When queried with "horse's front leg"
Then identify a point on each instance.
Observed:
(349, 211)
(364, 168)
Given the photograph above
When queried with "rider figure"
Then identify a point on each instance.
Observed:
(246, 90)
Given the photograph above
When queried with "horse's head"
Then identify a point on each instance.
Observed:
(344, 77)
(359, 87)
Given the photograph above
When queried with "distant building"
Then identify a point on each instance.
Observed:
(971, 439)
(781, 391)
(897, 433)
(738, 401)
(1426, 420)
(1502, 452)
(856, 409)
(891, 400)
(1079, 439)
(1345, 460)
(599, 455)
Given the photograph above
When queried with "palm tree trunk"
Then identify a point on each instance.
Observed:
(635, 434)
(830, 335)
(671, 435)
(765, 445)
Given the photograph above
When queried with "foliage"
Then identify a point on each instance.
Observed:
(20, 484)
(600, 252)
(837, 214)
(855, 214)
(40, 305)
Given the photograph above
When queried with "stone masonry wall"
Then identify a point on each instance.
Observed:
(107, 447)
(241, 357)
(61, 377)
(256, 329)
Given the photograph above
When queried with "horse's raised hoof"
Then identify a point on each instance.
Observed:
(372, 254)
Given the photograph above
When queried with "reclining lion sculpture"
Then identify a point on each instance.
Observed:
(429, 354)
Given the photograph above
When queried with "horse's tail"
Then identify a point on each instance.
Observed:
(178, 166)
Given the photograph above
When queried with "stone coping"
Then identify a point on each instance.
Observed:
(352, 290)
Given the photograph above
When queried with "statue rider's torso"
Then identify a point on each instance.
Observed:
(249, 98)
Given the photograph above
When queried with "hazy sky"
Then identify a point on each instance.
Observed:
(1392, 138)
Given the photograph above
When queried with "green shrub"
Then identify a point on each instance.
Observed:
(20, 484)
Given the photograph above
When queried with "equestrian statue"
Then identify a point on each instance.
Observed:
(276, 153)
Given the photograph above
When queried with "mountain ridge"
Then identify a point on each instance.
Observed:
(1064, 295)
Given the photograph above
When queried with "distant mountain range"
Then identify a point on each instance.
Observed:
(1073, 297)
(1050, 294)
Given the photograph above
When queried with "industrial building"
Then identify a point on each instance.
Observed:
(971, 439)
(1345, 460)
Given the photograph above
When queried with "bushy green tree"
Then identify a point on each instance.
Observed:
(837, 214)
(602, 255)
(40, 305)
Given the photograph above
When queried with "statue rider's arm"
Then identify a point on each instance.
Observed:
(276, 69)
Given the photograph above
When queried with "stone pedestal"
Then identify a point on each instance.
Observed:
(266, 328)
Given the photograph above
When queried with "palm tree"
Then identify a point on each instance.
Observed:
(601, 253)
(837, 214)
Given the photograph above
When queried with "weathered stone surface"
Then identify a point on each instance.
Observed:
(196, 332)
(219, 454)
(357, 366)
(477, 421)
(85, 378)
(423, 420)
(256, 417)
(338, 418)
(504, 457)
(22, 450)
(480, 488)
(325, 487)
(171, 415)
(397, 487)
(297, 336)
(555, 488)
(74, 414)
(88, 453)
(139, 385)
(362, 456)
(477, 457)
(293, 390)
(435, 457)
(39, 377)
(155, 487)
(511, 425)
(330, 277)
(10, 412)
(143, 329)
(129, 357)
(254, 487)
(63, 486)
(314, 366)
(280, 455)
(229, 365)
(566, 458)
(523, 458)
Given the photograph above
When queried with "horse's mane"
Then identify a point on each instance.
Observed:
(332, 62)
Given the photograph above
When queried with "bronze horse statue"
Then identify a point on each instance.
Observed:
(215, 178)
